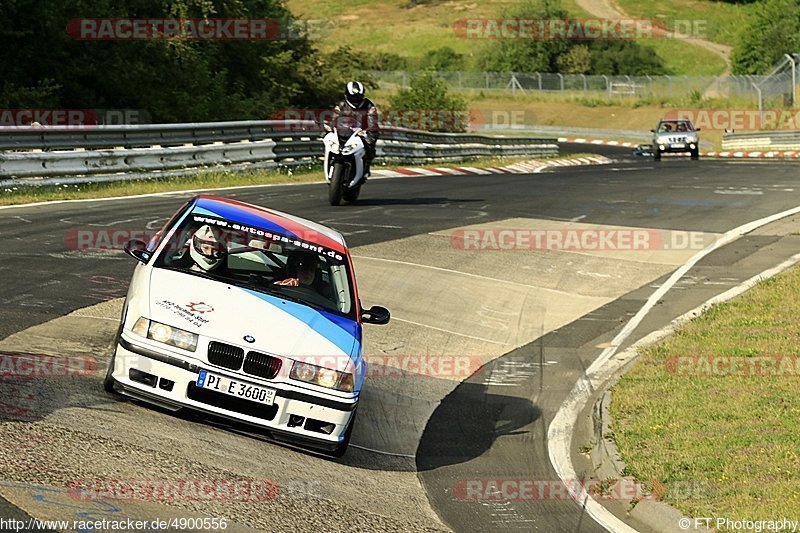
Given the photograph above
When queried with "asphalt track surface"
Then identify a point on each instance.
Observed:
(479, 430)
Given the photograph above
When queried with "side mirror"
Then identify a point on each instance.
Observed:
(375, 315)
(652, 131)
(138, 250)
(698, 129)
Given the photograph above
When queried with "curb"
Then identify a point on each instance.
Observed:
(523, 167)
(605, 455)
(724, 154)
(610, 363)
(753, 155)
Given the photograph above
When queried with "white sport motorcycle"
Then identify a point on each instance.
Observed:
(344, 163)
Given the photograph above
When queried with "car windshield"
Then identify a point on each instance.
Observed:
(260, 260)
(682, 126)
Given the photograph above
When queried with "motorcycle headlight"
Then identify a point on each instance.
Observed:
(324, 377)
(185, 340)
(349, 148)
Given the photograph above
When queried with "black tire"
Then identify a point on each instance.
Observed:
(695, 154)
(335, 186)
(351, 195)
(108, 381)
(341, 449)
(656, 155)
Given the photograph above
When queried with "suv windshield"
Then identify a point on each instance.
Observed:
(678, 126)
(260, 260)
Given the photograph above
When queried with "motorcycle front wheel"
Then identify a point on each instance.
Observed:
(336, 184)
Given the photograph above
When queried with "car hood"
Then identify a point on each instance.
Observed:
(248, 318)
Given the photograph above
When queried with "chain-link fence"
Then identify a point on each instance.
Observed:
(775, 89)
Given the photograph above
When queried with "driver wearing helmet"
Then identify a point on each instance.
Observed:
(208, 251)
(302, 270)
(357, 108)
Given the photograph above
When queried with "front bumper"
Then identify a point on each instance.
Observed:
(169, 380)
(675, 148)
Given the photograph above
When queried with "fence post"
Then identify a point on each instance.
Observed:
(585, 88)
(540, 80)
(794, 80)
(561, 79)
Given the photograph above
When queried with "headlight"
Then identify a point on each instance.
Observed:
(324, 377)
(163, 333)
(349, 149)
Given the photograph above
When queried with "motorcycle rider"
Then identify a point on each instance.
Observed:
(358, 110)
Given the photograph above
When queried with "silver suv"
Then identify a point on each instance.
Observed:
(675, 136)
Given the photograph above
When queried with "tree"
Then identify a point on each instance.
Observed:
(427, 105)
(444, 58)
(773, 31)
(539, 54)
(174, 79)
(577, 60)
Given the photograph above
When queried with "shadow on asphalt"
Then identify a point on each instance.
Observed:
(440, 200)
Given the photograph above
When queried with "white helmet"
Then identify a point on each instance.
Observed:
(354, 94)
(207, 248)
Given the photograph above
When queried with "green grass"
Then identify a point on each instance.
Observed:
(735, 438)
(685, 59)
(414, 31)
(11, 195)
(722, 20)
(208, 180)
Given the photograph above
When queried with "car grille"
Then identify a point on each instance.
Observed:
(225, 355)
(232, 357)
(262, 365)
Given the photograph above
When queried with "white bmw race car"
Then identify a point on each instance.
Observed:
(246, 313)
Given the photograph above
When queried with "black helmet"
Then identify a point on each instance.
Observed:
(354, 94)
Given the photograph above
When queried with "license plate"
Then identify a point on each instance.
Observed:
(678, 145)
(238, 389)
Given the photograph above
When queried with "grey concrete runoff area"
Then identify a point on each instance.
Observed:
(525, 321)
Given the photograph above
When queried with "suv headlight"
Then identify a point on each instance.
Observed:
(324, 377)
(165, 334)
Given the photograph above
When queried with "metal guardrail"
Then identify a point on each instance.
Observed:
(771, 141)
(116, 151)
(574, 131)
